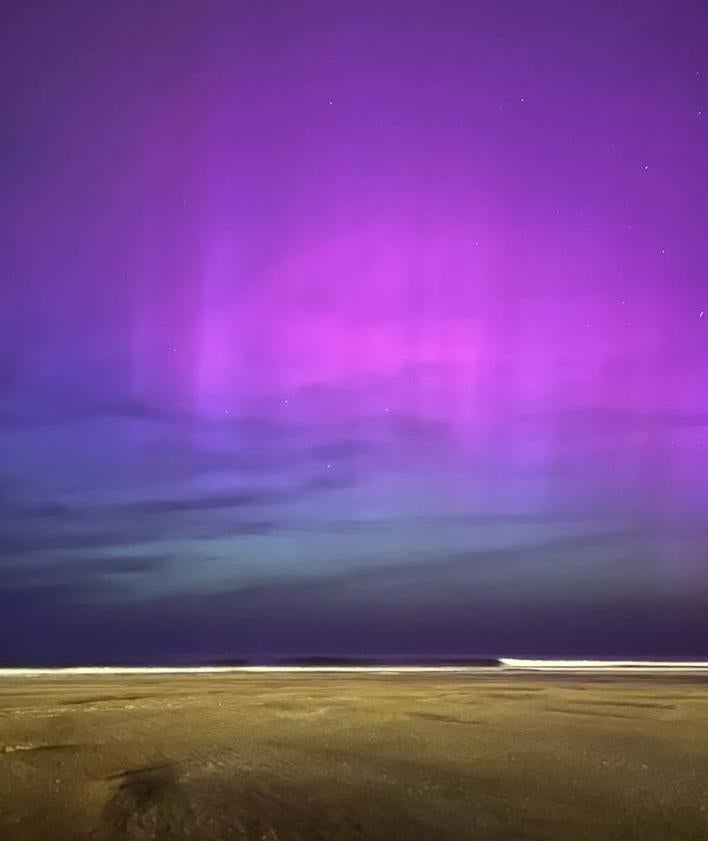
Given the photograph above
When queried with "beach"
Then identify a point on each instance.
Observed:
(291, 756)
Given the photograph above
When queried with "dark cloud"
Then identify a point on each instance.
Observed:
(209, 502)
(50, 409)
(483, 521)
(45, 511)
(87, 535)
(618, 421)
(329, 480)
(77, 577)
(415, 428)
(343, 450)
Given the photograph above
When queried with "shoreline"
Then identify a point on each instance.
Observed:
(506, 665)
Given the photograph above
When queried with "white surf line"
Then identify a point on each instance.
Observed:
(506, 663)
(180, 670)
(604, 665)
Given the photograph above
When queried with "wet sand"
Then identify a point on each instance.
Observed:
(288, 757)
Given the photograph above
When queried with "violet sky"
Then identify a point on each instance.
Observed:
(374, 327)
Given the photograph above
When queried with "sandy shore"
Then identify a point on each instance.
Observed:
(290, 757)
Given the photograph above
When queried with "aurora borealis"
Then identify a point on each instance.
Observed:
(354, 328)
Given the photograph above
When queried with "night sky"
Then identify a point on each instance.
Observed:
(354, 328)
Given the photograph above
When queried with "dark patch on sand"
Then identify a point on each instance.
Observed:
(448, 719)
(137, 773)
(145, 804)
(101, 698)
(510, 696)
(523, 690)
(592, 713)
(639, 704)
(285, 706)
